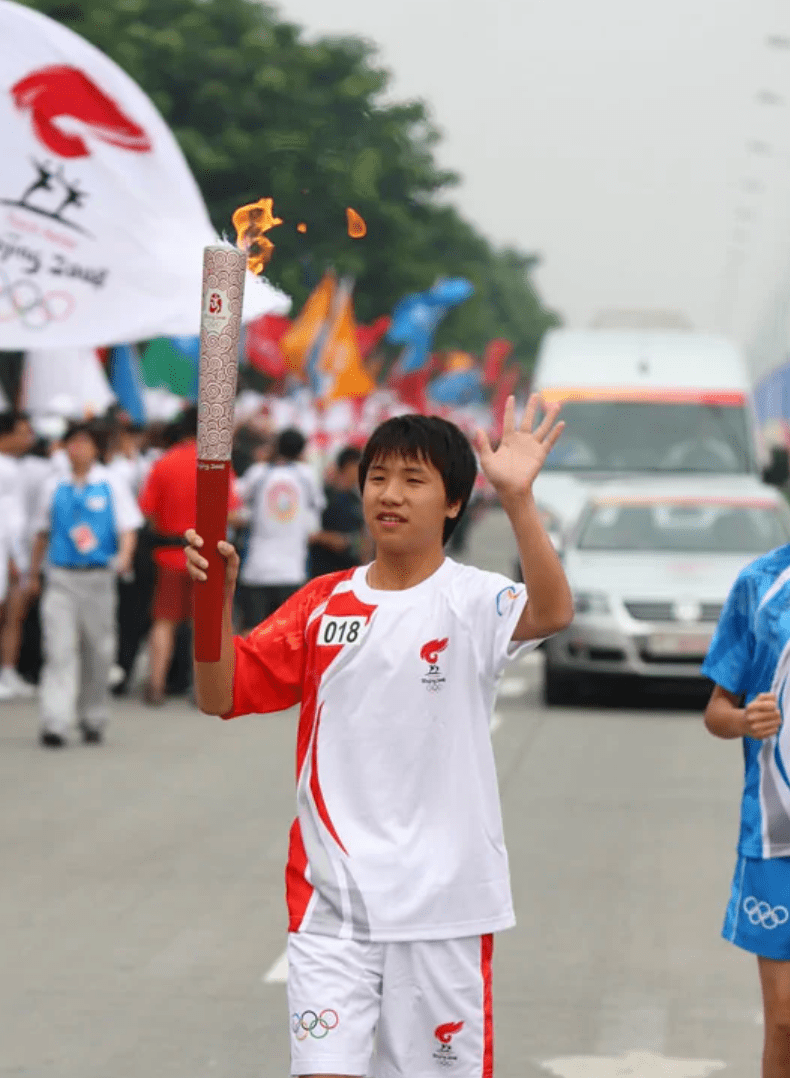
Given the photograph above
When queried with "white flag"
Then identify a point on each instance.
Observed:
(70, 382)
(102, 226)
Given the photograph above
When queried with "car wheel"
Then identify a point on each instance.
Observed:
(559, 686)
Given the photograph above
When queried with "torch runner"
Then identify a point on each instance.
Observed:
(224, 269)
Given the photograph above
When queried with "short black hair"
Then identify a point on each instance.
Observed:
(89, 427)
(188, 422)
(9, 420)
(431, 439)
(290, 443)
(350, 455)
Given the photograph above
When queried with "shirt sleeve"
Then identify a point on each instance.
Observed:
(270, 663)
(493, 605)
(728, 660)
(128, 517)
(41, 519)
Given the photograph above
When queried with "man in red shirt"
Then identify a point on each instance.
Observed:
(169, 502)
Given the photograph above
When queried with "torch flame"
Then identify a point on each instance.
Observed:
(356, 224)
(251, 223)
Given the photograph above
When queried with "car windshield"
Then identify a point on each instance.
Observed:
(652, 436)
(682, 527)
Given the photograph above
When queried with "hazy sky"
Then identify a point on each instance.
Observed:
(613, 137)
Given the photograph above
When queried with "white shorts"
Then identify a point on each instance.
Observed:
(390, 1010)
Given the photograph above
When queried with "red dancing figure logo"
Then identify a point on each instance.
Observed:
(430, 651)
(63, 92)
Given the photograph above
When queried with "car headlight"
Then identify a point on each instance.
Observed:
(591, 602)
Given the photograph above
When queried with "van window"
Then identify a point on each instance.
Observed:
(653, 436)
(683, 528)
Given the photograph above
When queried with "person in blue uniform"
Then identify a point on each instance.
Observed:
(86, 527)
(749, 661)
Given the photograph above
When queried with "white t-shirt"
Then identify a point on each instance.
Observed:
(398, 834)
(12, 509)
(128, 469)
(285, 504)
(33, 475)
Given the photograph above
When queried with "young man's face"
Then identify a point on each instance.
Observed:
(405, 505)
(81, 451)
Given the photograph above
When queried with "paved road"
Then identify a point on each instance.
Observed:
(141, 893)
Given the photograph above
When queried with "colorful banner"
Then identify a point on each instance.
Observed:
(458, 387)
(299, 343)
(172, 364)
(102, 226)
(508, 380)
(494, 358)
(126, 380)
(262, 344)
(342, 373)
(415, 318)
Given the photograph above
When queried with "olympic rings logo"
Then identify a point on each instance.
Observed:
(314, 1025)
(763, 914)
(24, 300)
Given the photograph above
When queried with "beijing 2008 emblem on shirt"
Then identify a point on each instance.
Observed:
(429, 653)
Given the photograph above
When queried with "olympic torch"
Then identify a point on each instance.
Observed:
(224, 270)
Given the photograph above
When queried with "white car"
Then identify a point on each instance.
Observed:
(650, 565)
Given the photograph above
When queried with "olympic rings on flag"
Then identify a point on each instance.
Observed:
(314, 1025)
(763, 914)
(23, 299)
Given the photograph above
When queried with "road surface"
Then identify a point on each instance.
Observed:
(142, 918)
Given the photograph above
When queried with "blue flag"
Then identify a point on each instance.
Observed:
(126, 379)
(457, 387)
(415, 318)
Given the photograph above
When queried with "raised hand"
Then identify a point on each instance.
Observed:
(521, 453)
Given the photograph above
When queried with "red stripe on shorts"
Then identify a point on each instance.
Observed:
(486, 955)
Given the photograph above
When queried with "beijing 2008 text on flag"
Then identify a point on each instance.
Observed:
(102, 226)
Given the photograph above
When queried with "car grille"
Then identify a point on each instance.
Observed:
(711, 611)
(651, 611)
(659, 610)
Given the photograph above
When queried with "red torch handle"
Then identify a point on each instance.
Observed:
(213, 478)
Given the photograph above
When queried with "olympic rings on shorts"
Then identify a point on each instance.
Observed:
(763, 914)
(314, 1025)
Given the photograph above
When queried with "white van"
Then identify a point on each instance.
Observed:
(651, 403)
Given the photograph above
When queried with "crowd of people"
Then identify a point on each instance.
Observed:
(95, 597)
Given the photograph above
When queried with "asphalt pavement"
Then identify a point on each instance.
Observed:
(142, 920)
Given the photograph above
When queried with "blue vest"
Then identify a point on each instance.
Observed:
(82, 525)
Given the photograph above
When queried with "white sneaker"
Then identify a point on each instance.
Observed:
(6, 693)
(13, 681)
(116, 676)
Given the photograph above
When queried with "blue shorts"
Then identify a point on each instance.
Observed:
(758, 915)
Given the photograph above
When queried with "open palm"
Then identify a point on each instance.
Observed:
(521, 453)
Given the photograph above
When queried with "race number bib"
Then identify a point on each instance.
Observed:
(340, 631)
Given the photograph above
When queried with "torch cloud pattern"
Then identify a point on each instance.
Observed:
(224, 269)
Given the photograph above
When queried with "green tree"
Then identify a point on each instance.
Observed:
(260, 111)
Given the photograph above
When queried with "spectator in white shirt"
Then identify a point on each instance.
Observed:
(285, 501)
(16, 437)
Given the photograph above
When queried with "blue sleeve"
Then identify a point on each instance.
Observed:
(729, 657)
